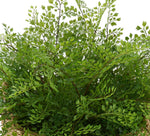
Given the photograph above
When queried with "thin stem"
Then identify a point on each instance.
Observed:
(101, 12)
(58, 23)
(108, 22)
(3, 71)
(77, 91)
(79, 6)
(10, 46)
(96, 75)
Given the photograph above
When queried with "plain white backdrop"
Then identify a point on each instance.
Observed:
(132, 12)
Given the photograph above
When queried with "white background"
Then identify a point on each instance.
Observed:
(132, 12)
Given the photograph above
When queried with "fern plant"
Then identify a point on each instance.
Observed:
(66, 75)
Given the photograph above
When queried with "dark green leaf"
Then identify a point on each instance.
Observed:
(118, 19)
(147, 27)
(130, 35)
(113, 9)
(11, 29)
(143, 35)
(135, 35)
(113, 23)
(126, 38)
(116, 14)
(138, 28)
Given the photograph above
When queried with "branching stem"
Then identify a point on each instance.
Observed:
(58, 23)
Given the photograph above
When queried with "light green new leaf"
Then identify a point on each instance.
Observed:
(51, 1)
(144, 23)
(53, 86)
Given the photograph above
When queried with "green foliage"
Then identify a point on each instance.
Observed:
(65, 75)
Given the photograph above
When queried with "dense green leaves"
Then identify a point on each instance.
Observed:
(68, 76)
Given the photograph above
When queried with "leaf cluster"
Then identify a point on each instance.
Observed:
(65, 75)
